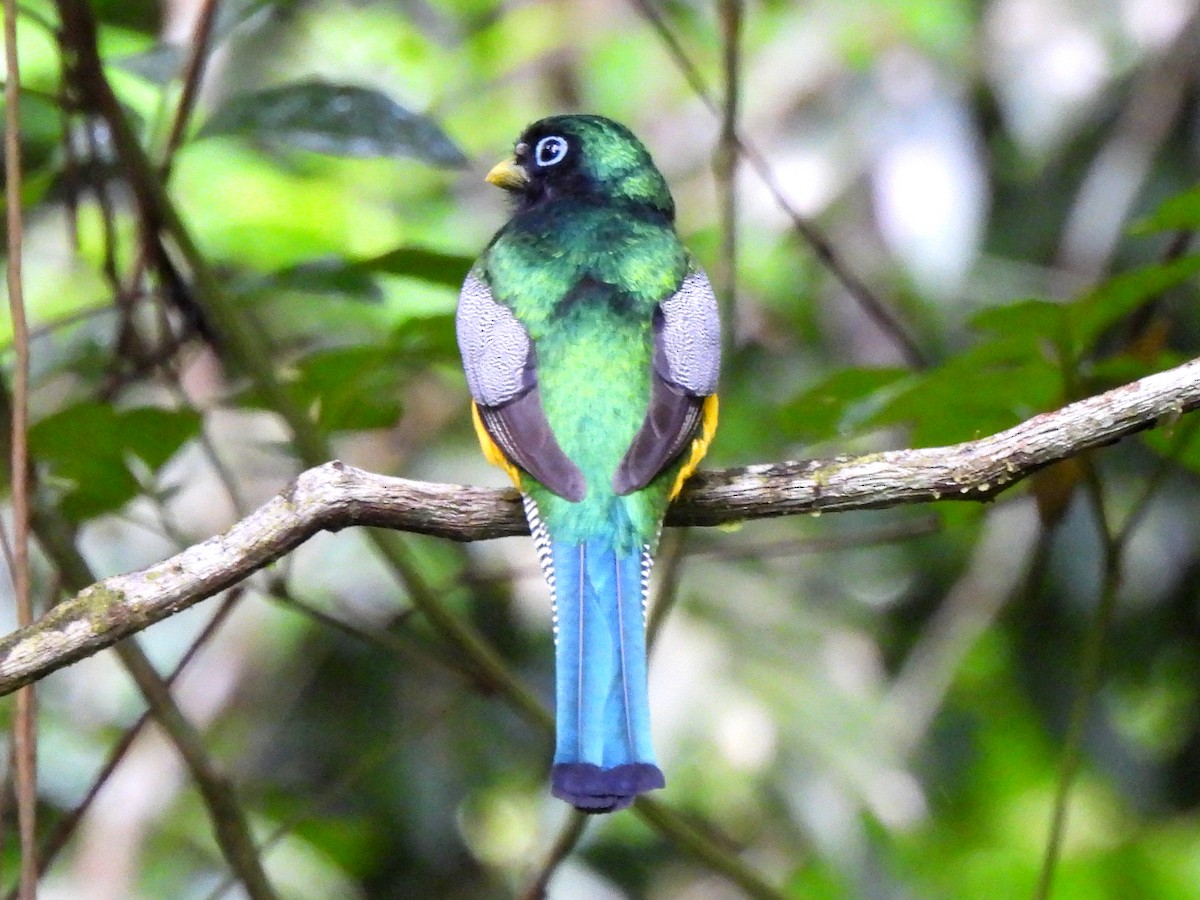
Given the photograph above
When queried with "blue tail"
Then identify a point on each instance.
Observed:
(603, 756)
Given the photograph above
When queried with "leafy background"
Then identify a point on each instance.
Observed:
(870, 705)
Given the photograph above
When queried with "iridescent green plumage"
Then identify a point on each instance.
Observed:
(589, 313)
(590, 343)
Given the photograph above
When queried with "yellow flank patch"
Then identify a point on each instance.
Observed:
(492, 452)
(708, 428)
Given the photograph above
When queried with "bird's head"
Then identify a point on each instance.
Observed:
(581, 156)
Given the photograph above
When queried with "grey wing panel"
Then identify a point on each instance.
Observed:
(495, 347)
(499, 360)
(687, 366)
(691, 336)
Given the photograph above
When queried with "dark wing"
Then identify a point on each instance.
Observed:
(687, 365)
(499, 362)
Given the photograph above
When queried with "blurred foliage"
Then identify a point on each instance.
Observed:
(852, 716)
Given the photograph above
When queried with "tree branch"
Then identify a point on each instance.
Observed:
(334, 496)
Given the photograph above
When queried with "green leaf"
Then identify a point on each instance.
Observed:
(836, 405)
(164, 61)
(34, 186)
(85, 449)
(1095, 313)
(984, 390)
(154, 434)
(330, 277)
(421, 264)
(1176, 438)
(81, 448)
(355, 279)
(1178, 213)
(335, 119)
(351, 388)
(1033, 319)
(1127, 367)
(423, 340)
(158, 65)
(136, 15)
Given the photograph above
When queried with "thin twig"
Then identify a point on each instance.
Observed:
(872, 305)
(1137, 511)
(231, 827)
(87, 83)
(65, 828)
(1090, 666)
(919, 688)
(568, 837)
(1119, 170)
(726, 159)
(245, 344)
(193, 74)
(25, 720)
(700, 846)
(1115, 540)
(398, 644)
(347, 778)
(149, 251)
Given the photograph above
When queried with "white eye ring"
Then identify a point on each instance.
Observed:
(550, 151)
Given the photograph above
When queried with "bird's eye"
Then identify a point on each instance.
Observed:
(550, 151)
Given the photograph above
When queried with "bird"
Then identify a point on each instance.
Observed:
(591, 343)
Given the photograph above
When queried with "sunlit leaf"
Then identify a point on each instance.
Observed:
(164, 61)
(335, 119)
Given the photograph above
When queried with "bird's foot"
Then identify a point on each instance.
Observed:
(591, 789)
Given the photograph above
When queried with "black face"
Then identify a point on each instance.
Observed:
(551, 159)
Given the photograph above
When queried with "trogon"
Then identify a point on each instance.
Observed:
(591, 343)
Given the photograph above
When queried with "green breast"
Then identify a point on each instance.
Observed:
(585, 283)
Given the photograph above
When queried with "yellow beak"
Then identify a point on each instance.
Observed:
(508, 175)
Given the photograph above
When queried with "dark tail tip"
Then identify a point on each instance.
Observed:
(591, 789)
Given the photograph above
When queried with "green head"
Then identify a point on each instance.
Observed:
(582, 156)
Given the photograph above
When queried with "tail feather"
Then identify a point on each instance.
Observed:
(603, 754)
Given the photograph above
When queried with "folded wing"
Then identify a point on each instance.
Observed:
(499, 361)
(686, 368)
